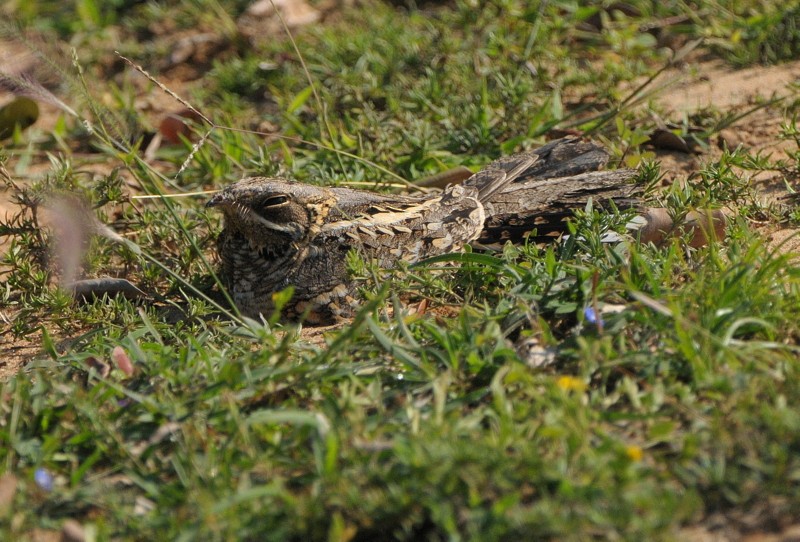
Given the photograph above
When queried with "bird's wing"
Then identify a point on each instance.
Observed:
(501, 173)
(560, 158)
(408, 229)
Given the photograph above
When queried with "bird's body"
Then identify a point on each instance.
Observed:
(280, 233)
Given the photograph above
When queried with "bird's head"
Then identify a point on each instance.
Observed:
(271, 211)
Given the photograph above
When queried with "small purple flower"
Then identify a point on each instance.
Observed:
(43, 479)
(592, 317)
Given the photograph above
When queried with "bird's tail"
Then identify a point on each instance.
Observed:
(544, 205)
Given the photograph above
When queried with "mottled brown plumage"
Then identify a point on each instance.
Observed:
(279, 233)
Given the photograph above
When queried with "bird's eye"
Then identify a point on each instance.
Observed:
(275, 201)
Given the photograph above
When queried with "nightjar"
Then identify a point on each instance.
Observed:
(279, 233)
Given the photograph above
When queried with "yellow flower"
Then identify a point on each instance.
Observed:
(570, 383)
(634, 453)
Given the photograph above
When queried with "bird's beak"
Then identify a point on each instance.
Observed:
(219, 198)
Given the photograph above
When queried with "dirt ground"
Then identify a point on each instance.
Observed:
(714, 85)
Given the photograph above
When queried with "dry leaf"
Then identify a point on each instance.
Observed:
(8, 488)
(702, 226)
(20, 112)
(176, 125)
(123, 362)
(664, 139)
(72, 531)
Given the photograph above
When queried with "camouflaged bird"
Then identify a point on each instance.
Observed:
(280, 233)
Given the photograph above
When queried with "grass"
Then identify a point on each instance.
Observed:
(673, 395)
